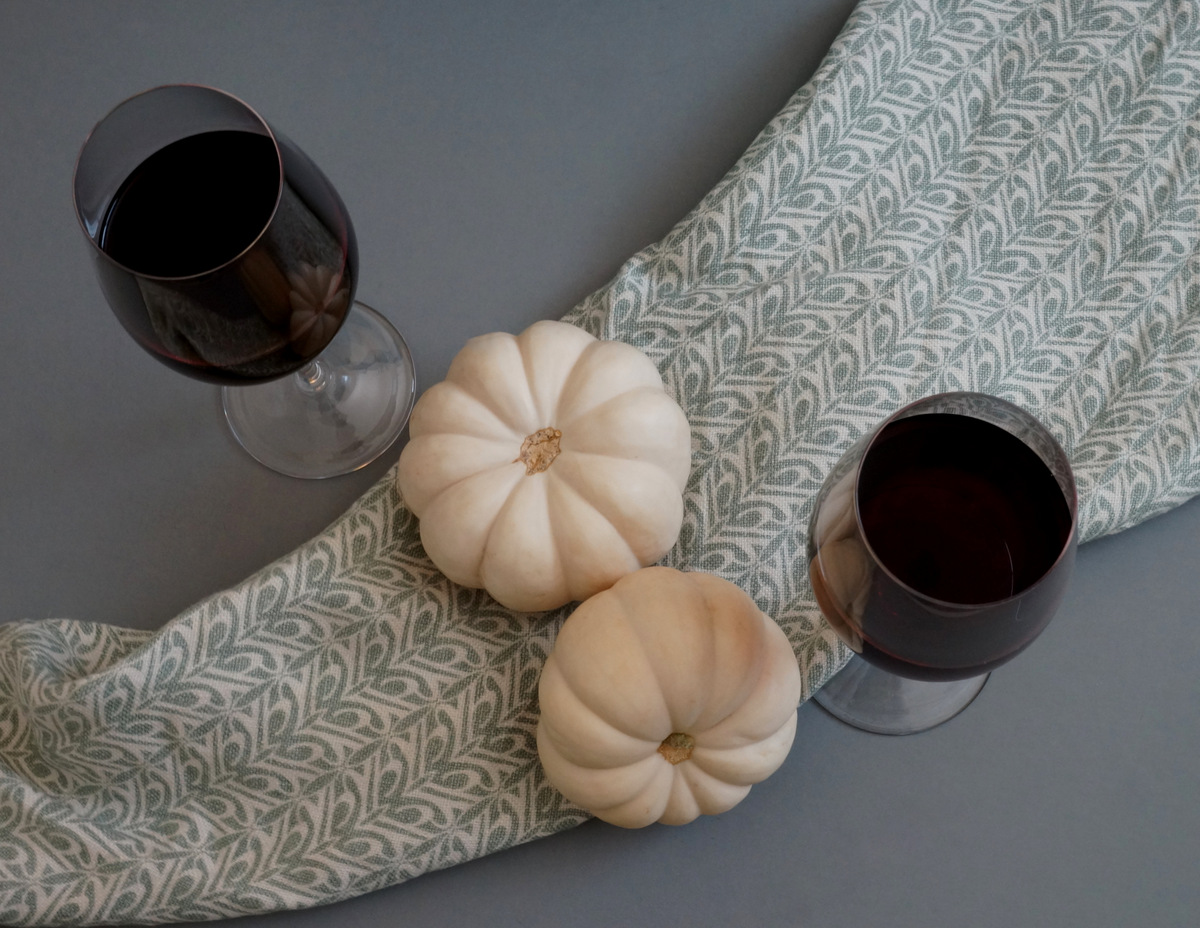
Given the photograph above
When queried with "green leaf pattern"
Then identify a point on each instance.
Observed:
(994, 196)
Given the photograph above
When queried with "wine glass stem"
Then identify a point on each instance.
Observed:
(870, 698)
(313, 377)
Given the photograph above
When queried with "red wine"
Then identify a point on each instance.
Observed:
(193, 205)
(219, 257)
(968, 516)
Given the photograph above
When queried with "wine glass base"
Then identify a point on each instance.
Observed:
(875, 700)
(336, 415)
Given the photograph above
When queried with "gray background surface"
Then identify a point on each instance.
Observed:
(501, 160)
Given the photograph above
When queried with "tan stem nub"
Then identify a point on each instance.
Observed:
(539, 450)
(677, 747)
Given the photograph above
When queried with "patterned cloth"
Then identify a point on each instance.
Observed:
(997, 196)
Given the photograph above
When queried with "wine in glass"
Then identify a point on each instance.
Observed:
(940, 546)
(228, 256)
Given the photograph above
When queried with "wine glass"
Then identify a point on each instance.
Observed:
(940, 546)
(228, 256)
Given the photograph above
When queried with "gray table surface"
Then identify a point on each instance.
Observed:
(501, 160)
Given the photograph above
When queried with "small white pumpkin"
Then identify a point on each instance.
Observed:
(318, 305)
(841, 571)
(546, 466)
(664, 698)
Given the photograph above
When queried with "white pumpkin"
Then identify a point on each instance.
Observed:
(318, 304)
(664, 698)
(546, 466)
(841, 571)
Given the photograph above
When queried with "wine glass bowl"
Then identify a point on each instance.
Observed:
(940, 546)
(229, 256)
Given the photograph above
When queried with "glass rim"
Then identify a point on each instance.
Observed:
(1072, 499)
(270, 133)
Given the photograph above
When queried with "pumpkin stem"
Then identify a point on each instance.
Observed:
(539, 450)
(677, 747)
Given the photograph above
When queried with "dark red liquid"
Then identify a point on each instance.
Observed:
(194, 205)
(219, 259)
(961, 511)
